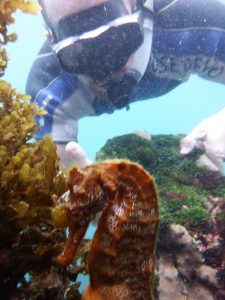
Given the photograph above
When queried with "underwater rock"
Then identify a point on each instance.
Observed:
(214, 253)
(173, 286)
(218, 216)
(184, 187)
(47, 285)
(170, 286)
(198, 291)
(220, 295)
(208, 275)
(185, 254)
(179, 235)
(121, 258)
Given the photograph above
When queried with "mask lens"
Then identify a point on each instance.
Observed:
(103, 55)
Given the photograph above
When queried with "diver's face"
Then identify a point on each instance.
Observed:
(56, 10)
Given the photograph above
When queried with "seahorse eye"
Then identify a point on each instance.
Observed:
(121, 166)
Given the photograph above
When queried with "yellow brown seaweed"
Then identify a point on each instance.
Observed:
(7, 8)
(29, 185)
(121, 259)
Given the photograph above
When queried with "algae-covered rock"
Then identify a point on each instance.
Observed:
(183, 186)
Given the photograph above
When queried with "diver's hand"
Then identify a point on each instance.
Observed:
(70, 154)
(78, 154)
(208, 136)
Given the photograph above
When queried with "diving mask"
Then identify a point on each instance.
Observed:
(101, 52)
(100, 40)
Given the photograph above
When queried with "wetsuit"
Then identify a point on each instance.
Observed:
(188, 37)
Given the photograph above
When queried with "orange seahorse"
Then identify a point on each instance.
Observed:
(121, 258)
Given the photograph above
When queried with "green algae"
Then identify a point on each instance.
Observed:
(183, 187)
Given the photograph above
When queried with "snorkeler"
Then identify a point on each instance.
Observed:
(102, 55)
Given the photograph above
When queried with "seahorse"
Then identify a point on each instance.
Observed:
(121, 259)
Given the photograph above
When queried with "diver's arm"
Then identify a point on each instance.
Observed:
(47, 87)
(65, 98)
(182, 14)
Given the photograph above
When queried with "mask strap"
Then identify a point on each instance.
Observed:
(146, 4)
(138, 62)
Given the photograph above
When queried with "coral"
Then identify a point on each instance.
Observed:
(121, 259)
